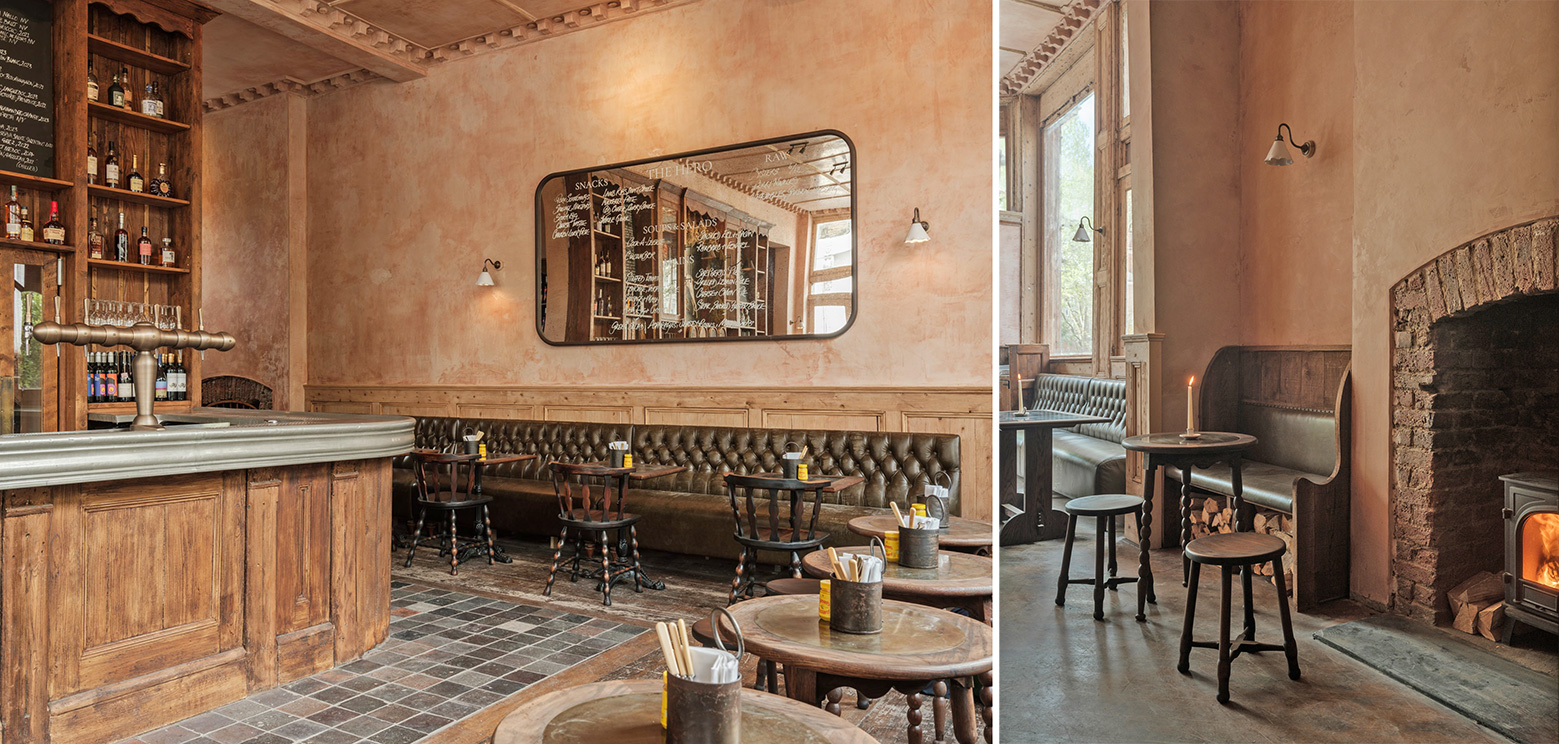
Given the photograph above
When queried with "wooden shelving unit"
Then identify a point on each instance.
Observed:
(155, 41)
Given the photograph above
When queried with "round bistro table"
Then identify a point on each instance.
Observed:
(629, 713)
(1170, 449)
(969, 535)
(918, 646)
(960, 580)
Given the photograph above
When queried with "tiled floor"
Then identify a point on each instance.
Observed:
(448, 656)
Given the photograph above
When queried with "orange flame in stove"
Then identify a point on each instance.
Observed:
(1540, 543)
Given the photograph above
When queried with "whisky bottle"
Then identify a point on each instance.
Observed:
(162, 106)
(149, 101)
(111, 167)
(91, 82)
(143, 248)
(13, 217)
(116, 93)
(54, 230)
(168, 258)
(94, 240)
(92, 157)
(125, 89)
(27, 234)
(137, 181)
(121, 241)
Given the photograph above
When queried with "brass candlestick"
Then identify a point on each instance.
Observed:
(144, 338)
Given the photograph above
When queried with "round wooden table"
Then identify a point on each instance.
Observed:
(629, 713)
(1170, 449)
(918, 646)
(960, 580)
(967, 534)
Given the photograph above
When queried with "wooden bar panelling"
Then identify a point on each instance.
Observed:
(24, 623)
(965, 411)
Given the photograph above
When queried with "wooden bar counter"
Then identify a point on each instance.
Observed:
(148, 576)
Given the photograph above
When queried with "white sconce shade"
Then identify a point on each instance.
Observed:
(1085, 226)
(485, 279)
(917, 230)
(1279, 154)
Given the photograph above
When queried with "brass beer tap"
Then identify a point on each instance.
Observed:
(144, 338)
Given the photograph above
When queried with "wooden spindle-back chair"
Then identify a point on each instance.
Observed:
(592, 502)
(765, 521)
(447, 483)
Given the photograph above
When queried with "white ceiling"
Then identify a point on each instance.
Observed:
(1024, 24)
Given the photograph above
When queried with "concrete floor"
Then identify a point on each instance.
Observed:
(1066, 677)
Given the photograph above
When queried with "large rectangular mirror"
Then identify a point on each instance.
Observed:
(744, 242)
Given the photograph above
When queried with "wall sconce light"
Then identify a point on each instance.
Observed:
(1083, 227)
(1279, 155)
(485, 279)
(917, 229)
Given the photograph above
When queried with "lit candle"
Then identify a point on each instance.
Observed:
(1190, 405)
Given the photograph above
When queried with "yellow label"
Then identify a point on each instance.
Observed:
(823, 601)
(481, 451)
(920, 510)
(628, 460)
(801, 471)
(890, 545)
(663, 699)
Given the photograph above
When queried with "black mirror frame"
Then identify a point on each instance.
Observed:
(855, 246)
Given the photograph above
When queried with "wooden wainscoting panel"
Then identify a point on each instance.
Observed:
(161, 700)
(781, 418)
(678, 416)
(521, 413)
(336, 406)
(25, 620)
(415, 409)
(305, 652)
(589, 414)
(974, 434)
(302, 535)
(360, 565)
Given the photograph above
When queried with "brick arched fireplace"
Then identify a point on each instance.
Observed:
(1475, 395)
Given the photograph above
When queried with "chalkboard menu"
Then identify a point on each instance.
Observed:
(26, 87)
(711, 245)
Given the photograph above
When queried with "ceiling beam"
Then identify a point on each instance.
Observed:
(334, 32)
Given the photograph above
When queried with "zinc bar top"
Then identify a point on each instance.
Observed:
(201, 441)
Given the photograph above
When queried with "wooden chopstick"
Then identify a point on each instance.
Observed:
(673, 662)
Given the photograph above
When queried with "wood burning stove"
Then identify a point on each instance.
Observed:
(1532, 550)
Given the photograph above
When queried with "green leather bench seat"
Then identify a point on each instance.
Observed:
(1087, 459)
(689, 512)
(1291, 443)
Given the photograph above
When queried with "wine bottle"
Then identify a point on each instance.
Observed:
(13, 217)
(181, 375)
(161, 388)
(93, 378)
(111, 167)
(92, 157)
(94, 240)
(121, 241)
(116, 93)
(168, 257)
(143, 248)
(54, 230)
(26, 233)
(126, 381)
(110, 380)
(91, 82)
(136, 180)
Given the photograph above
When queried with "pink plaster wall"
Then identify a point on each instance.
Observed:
(414, 184)
(1455, 113)
(244, 241)
(1296, 222)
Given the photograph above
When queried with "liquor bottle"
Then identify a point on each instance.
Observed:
(111, 167)
(91, 82)
(136, 180)
(116, 93)
(92, 157)
(126, 380)
(13, 217)
(54, 230)
(161, 388)
(110, 380)
(149, 101)
(121, 241)
(94, 240)
(26, 226)
(124, 77)
(168, 257)
(143, 248)
(162, 106)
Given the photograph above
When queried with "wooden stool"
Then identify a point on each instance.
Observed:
(1233, 551)
(1105, 507)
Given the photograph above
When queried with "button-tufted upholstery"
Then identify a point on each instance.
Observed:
(688, 512)
(1087, 459)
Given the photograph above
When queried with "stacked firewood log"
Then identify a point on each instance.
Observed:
(1213, 515)
(1478, 605)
